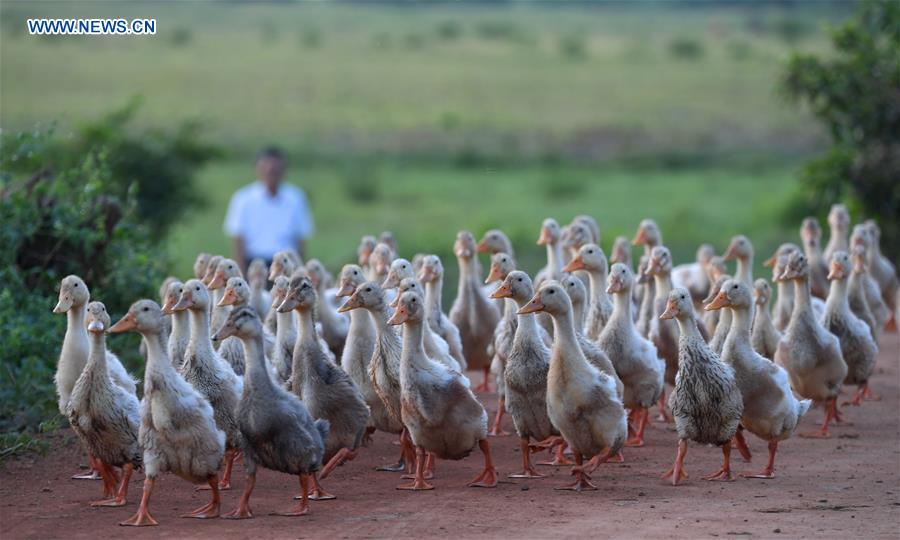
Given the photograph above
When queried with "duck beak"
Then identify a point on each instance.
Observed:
(225, 332)
(288, 304)
(217, 281)
(399, 317)
(482, 246)
(644, 276)
(351, 303)
(427, 275)
(345, 290)
(184, 302)
(169, 304)
(770, 262)
(731, 253)
(835, 272)
(545, 237)
(495, 275)
(670, 312)
(229, 299)
(95, 327)
(274, 272)
(381, 268)
(503, 291)
(640, 238)
(533, 306)
(575, 264)
(615, 286)
(720, 301)
(63, 305)
(391, 281)
(128, 322)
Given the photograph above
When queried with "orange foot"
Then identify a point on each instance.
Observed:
(497, 431)
(241, 512)
(318, 494)
(582, 482)
(299, 509)
(529, 472)
(207, 511)
(90, 475)
(767, 474)
(115, 501)
(141, 519)
(722, 475)
(635, 441)
(487, 478)
(671, 474)
(817, 434)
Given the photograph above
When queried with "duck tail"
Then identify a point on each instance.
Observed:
(323, 427)
(802, 407)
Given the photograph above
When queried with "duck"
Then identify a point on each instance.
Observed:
(764, 336)
(591, 259)
(525, 376)
(334, 325)
(325, 389)
(647, 295)
(858, 348)
(277, 430)
(723, 326)
(399, 270)
(880, 311)
(706, 400)
(432, 276)
(621, 251)
(285, 331)
(715, 269)
(181, 324)
(473, 314)
(208, 372)
(435, 346)
(550, 239)
(577, 235)
(741, 250)
(178, 431)
(257, 278)
(771, 412)
(366, 245)
(380, 262)
(633, 357)
(649, 236)
(103, 415)
(839, 225)
(856, 294)
(694, 276)
(811, 239)
(201, 262)
(784, 299)
(442, 415)
(361, 337)
(592, 226)
(881, 268)
(663, 332)
(73, 299)
(495, 241)
(501, 265)
(239, 293)
(582, 402)
(225, 270)
(810, 353)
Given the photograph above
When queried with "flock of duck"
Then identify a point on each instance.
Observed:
(295, 378)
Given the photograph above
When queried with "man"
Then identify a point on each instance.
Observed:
(268, 216)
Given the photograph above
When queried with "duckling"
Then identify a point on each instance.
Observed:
(432, 276)
(238, 293)
(871, 288)
(592, 226)
(105, 416)
(582, 402)
(379, 376)
(257, 278)
(208, 372)
(495, 241)
(810, 353)
(881, 267)
(592, 260)
(663, 332)
(277, 430)
(633, 357)
(550, 238)
(200, 264)
(387, 238)
(857, 346)
(210, 269)
(770, 410)
(380, 262)
(361, 337)
(647, 295)
(285, 332)
(284, 263)
(334, 325)
(435, 346)
(723, 326)
(649, 236)
(525, 376)
(473, 314)
(225, 270)
(693, 276)
(706, 401)
(442, 415)
(784, 301)
(765, 336)
(364, 251)
(326, 390)
(181, 325)
(741, 250)
(839, 224)
(715, 270)
(856, 294)
(811, 237)
(400, 269)
(621, 251)
(501, 265)
(74, 296)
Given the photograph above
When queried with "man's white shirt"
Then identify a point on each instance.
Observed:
(268, 224)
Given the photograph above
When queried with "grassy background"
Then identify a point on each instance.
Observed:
(428, 119)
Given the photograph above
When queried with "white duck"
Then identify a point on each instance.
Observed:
(432, 276)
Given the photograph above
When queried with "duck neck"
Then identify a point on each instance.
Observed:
(740, 326)
(663, 283)
(837, 301)
(564, 337)
(468, 274)
(181, 325)
(622, 306)
(801, 297)
(200, 343)
(379, 317)
(433, 298)
(76, 338)
(687, 325)
(306, 326)
(745, 270)
(554, 259)
(761, 315)
(158, 362)
(597, 280)
(527, 327)
(360, 323)
(413, 345)
(578, 315)
(785, 299)
(256, 375)
(97, 358)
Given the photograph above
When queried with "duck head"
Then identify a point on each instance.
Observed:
(73, 293)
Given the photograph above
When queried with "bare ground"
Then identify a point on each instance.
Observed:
(848, 485)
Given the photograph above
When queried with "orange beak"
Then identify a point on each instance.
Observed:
(503, 291)
(217, 281)
(482, 246)
(545, 237)
(731, 253)
(351, 303)
(575, 264)
(770, 262)
(128, 322)
(640, 238)
(461, 251)
(274, 271)
(229, 299)
(533, 306)
(835, 272)
(184, 302)
(345, 290)
(670, 312)
(615, 286)
(720, 301)
(288, 304)
(399, 317)
(495, 275)
(170, 302)
(427, 275)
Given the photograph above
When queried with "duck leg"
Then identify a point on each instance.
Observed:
(243, 509)
(419, 484)
(485, 385)
(210, 509)
(497, 429)
(664, 415)
(741, 444)
(407, 456)
(302, 507)
(318, 493)
(93, 473)
(528, 471)
(342, 455)
(119, 499)
(110, 479)
(582, 478)
(677, 471)
(559, 456)
(228, 462)
(638, 439)
(142, 517)
(488, 477)
(830, 414)
(869, 394)
(723, 474)
(769, 471)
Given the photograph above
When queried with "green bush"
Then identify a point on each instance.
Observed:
(449, 30)
(61, 219)
(686, 48)
(361, 183)
(573, 47)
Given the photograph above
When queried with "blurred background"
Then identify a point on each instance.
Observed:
(715, 118)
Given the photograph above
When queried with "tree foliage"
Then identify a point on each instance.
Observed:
(855, 93)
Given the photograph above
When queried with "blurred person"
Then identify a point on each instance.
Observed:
(268, 215)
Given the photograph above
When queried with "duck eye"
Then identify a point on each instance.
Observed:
(196, 288)
(551, 291)
(519, 280)
(146, 308)
(76, 284)
(368, 289)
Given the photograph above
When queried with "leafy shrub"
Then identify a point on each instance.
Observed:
(361, 183)
(559, 186)
(499, 31)
(449, 30)
(791, 30)
(573, 47)
(61, 217)
(739, 50)
(686, 48)
(180, 36)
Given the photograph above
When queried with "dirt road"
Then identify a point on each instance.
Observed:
(845, 486)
